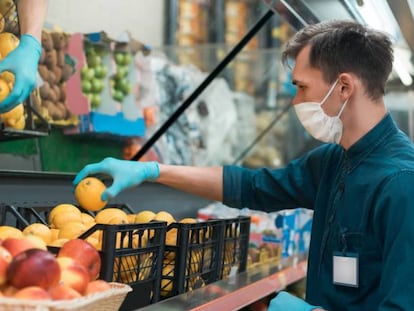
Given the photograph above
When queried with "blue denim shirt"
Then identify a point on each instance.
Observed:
(363, 202)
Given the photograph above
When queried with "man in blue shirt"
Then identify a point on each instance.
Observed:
(358, 184)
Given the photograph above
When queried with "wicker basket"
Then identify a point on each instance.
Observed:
(109, 300)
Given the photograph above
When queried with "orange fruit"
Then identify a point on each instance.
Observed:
(8, 231)
(4, 90)
(72, 230)
(40, 230)
(62, 219)
(144, 217)
(164, 216)
(15, 114)
(8, 42)
(62, 208)
(8, 77)
(111, 216)
(88, 194)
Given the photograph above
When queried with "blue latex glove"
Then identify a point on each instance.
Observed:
(125, 174)
(287, 302)
(22, 62)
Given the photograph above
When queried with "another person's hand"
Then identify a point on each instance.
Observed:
(23, 63)
(125, 174)
(287, 302)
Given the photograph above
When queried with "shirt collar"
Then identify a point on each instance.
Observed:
(367, 143)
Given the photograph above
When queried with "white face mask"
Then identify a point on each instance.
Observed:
(318, 124)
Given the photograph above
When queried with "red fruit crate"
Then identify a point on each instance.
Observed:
(191, 257)
(131, 253)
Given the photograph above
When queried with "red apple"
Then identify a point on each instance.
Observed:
(63, 292)
(84, 253)
(97, 286)
(33, 267)
(8, 290)
(32, 293)
(18, 245)
(73, 274)
(5, 259)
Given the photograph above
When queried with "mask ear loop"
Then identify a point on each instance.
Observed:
(329, 92)
(342, 108)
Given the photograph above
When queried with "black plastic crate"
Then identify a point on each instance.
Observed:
(235, 245)
(131, 253)
(193, 260)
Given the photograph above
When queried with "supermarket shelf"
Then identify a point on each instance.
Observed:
(239, 290)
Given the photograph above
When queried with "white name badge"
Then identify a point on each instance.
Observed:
(345, 269)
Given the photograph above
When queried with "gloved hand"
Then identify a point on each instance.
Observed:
(22, 62)
(287, 302)
(125, 174)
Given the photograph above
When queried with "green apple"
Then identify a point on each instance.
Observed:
(97, 85)
(127, 59)
(124, 86)
(118, 95)
(86, 86)
(100, 71)
(95, 100)
(87, 73)
(119, 58)
(94, 60)
(121, 72)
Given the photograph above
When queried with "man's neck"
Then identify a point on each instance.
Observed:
(363, 118)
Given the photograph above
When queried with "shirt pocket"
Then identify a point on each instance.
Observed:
(369, 257)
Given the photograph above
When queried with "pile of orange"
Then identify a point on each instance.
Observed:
(15, 117)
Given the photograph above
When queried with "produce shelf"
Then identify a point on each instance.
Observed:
(239, 290)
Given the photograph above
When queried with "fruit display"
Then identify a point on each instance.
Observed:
(29, 271)
(94, 74)
(55, 68)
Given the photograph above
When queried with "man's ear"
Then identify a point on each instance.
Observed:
(346, 85)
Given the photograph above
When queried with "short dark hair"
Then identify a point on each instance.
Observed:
(346, 46)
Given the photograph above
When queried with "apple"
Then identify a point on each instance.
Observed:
(95, 100)
(119, 58)
(8, 290)
(87, 73)
(33, 267)
(97, 85)
(101, 71)
(127, 59)
(32, 293)
(5, 259)
(118, 95)
(73, 274)
(94, 60)
(97, 286)
(121, 72)
(123, 85)
(86, 86)
(63, 292)
(18, 245)
(84, 253)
